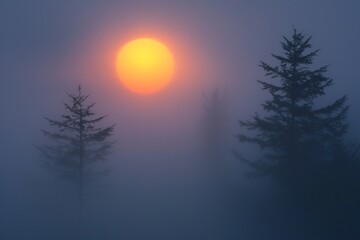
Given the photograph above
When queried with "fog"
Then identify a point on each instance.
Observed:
(163, 179)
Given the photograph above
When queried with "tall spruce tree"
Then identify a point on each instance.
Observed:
(77, 140)
(294, 131)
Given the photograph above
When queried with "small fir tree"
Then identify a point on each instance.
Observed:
(76, 140)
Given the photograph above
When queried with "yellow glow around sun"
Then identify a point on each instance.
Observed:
(145, 65)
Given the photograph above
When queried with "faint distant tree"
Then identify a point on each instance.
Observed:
(77, 140)
(294, 132)
(213, 127)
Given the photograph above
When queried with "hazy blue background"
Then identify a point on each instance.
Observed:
(47, 48)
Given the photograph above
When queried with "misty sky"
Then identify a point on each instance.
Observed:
(48, 48)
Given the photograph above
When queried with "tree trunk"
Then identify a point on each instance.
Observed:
(81, 168)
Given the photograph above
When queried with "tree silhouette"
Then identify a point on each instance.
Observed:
(214, 136)
(77, 140)
(294, 131)
(214, 127)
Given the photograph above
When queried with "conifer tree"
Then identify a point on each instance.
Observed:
(294, 131)
(213, 131)
(76, 140)
(214, 122)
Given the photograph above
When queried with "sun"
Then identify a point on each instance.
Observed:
(145, 65)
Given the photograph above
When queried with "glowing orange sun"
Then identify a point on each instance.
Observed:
(145, 65)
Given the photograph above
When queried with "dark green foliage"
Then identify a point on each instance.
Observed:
(294, 129)
(77, 141)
